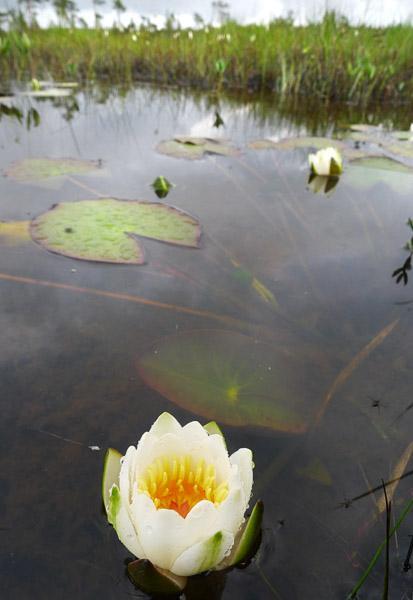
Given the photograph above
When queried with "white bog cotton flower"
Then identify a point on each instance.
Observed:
(179, 498)
(327, 161)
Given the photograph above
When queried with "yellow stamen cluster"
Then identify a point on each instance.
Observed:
(178, 483)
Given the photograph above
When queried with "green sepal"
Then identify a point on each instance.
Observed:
(114, 504)
(153, 580)
(212, 428)
(249, 537)
(335, 167)
(111, 470)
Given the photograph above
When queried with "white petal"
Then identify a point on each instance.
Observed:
(159, 531)
(219, 456)
(126, 474)
(194, 434)
(165, 423)
(127, 533)
(231, 510)
(151, 448)
(204, 555)
(243, 459)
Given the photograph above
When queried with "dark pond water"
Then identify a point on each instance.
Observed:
(290, 298)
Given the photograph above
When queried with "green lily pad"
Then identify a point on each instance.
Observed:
(401, 150)
(296, 142)
(49, 93)
(38, 169)
(194, 148)
(153, 580)
(234, 379)
(364, 128)
(383, 163)
(367, 173)
(105, 230)
(318, 143)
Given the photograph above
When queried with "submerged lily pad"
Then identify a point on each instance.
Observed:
(38, 169)
(234, 379)
(194, 148)
(13, 233)
(104, 230)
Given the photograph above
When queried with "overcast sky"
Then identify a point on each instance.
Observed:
(378, 12)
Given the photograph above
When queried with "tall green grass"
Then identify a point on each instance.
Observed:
(329, 60)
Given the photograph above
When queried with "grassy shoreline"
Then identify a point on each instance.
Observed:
(326, 61)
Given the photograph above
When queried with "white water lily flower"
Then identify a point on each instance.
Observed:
(180, 499)
(327, 161)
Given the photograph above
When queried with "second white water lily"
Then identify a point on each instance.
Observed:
(179, 499)
(327, 161)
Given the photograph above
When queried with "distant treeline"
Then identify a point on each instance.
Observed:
(328, 60)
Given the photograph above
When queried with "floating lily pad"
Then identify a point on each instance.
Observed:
(235, 379)
(38, 169)
(384, 163)
(68, 85)
(367, 173)
(296, 142)
(13, 233)
(104, 230)
(365, 128)
(194, 148)
(317, 143)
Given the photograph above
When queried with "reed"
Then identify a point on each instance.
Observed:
(325, 61)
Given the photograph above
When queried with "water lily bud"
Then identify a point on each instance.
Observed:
(327, 161)
(177, 498)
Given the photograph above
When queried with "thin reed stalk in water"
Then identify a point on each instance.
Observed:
(387, 567)
(379, 550)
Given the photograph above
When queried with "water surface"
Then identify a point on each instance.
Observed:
(69, 357)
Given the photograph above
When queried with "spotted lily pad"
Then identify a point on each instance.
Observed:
(39, 169)
(235, 379)
(194, 148)
(105, 230)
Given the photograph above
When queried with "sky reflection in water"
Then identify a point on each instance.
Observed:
(69, 357)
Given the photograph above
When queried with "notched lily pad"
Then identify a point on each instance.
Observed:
(105, 230)
(38, 169)
(194, 148)
(236, 380)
